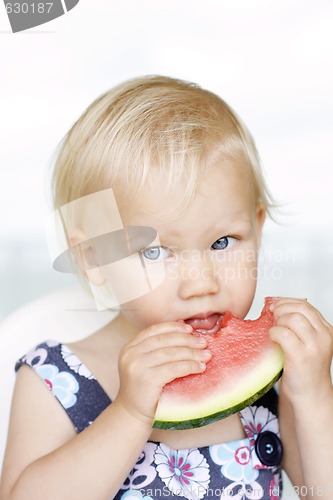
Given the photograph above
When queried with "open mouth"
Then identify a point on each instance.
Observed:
(209, 325)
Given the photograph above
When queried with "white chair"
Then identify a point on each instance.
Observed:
(66, 315)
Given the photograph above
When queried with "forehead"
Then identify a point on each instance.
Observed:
(224, 190)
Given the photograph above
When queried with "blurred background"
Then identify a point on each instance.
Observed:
(270, 60)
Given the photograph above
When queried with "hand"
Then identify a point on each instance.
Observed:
(157, 355)
(307, 342)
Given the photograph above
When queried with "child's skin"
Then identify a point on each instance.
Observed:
(145, 347)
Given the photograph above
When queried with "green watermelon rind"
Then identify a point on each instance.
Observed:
(209, 419)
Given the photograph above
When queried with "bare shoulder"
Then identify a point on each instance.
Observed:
(38, 425)
(99, 352)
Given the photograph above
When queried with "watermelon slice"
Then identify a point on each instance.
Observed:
(245, 364)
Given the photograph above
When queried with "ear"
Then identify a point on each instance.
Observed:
(85, 257)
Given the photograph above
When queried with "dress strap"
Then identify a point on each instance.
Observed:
(71, 382)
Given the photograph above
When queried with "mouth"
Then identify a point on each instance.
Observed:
(206, 323)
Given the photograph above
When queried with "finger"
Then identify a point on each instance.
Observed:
(177, 369)
(321, 326)
(160, 328)
(289, 342)
(286, 306)
(296, 335)
(299, 325)
(174, 354)
(170, 339)
(297, 353)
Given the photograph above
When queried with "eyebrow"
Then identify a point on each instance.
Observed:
(226, 227)
(235, 226)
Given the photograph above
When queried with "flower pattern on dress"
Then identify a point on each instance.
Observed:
(143, 472)
(242, 491)
(37, 355)
(274, 487)
(73, 362)
(184, 472)
(135, 495)
(235, 459)
(62, 384)
(256, 420)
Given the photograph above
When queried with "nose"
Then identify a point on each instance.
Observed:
(197, 276)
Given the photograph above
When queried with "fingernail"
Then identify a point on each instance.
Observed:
(188, 328)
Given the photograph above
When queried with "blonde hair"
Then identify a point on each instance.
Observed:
(152, 124)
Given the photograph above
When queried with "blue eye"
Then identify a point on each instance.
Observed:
(223, 243)
(155, 253)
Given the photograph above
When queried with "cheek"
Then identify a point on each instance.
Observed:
(147, 310)
(238, 266)
(241, 295)
(130, 279)
(238, 278)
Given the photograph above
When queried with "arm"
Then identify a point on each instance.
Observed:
(306, 397)
(46, 459)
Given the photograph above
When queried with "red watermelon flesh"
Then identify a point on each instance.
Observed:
(245, 364)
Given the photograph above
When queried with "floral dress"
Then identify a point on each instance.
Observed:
(248, 468)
